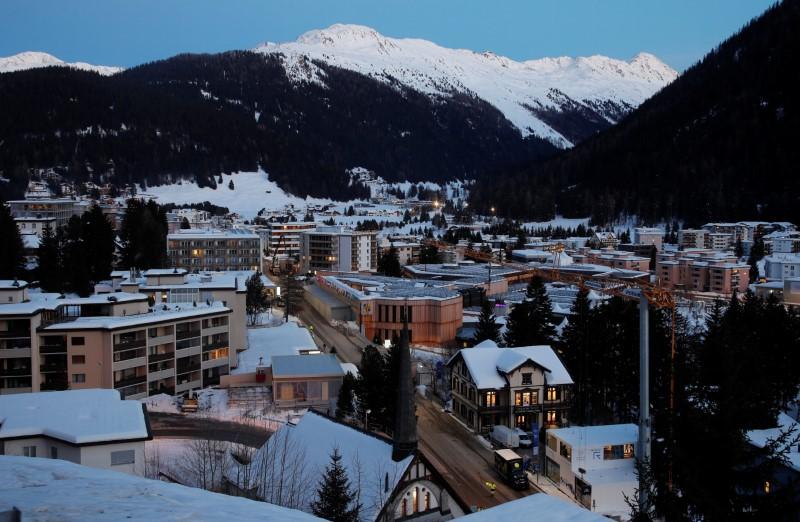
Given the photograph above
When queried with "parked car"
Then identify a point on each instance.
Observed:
(504, 436)
(525, 439)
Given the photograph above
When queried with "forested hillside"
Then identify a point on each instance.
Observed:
(718, 143)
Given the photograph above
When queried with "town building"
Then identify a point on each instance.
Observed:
(196, 218)
(648, 236)
(720, 241)
(618, 259)
(780, 266)
(515, 387)
(89, 427)
(283, 239)
(700, 270)
(59, 209)
(595, 464)
(306, 381)
(379, 305)
(603, 240)
(35, 225)
(734, 231)
(785, 475)
(338, 249)
(407, 251)
(49, 342)
(782, 243)
(214, 250)
(692, 238)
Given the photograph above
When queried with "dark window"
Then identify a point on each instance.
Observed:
(526, 378)
(119, 458)
(78, 341)
(394, 313)
(78, 359)
(53, 452)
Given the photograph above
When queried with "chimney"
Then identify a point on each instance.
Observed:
(405, 422)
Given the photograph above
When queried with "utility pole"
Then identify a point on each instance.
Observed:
(644, 392)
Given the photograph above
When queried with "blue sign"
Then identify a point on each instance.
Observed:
(535, 433)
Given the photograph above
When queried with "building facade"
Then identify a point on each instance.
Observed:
(59, 209)
(781, 266)
(214, 250)
(338, 249)
(702, 271)
(515, 387)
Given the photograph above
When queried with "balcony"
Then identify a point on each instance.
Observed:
(186, 368)
(169, 390)
(131, 381)
(215, 346)
(57, 367)
(157, 357)
(187, 334)
(53, 348)
(12, 372)
(129, 345)
(54, 385)
(14, 334)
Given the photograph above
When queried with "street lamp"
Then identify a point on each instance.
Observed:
(366, 419)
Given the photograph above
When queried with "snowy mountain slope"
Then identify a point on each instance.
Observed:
(34, 60)
(531, 94)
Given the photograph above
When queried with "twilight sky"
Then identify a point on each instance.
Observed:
(129, 32)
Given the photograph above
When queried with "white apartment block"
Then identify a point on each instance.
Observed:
(782, 266)
(338, 249)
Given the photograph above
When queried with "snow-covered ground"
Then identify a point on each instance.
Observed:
(252, 191)
(35, 60)
(53, 489)
(558, 221)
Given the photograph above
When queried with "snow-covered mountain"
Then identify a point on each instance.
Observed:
(34, 60)
(531, 94)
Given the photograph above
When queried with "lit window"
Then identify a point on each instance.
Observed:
(766, 486)
(552, 393)
(551, 417)
(490, 399)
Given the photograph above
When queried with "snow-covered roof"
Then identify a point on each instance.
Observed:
(486, 364)
(761, 438)
(30, 240)
(236, 233)
(49, 489)
(546, 507)
(486, 343)
(594, 436)
(265, 343)
(363, 455)
(164, 271)
(76, 416)
(12, 284)
(173, 313)
(316, 365)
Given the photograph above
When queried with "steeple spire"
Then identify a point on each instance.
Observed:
(405, 423)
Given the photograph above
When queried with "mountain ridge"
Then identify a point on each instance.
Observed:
(35, 59)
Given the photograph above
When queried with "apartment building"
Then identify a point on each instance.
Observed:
(174, 286)
(603, 240)
(283, 239)
(59, 209)
(407, 252)
(515, 387)
(736, 231)
(89, 427)
(720, 241)
(619, 259)
(214, 250)
(692, 238)
(701, 270)
(338, 249)
(434, 309)
(115, 341)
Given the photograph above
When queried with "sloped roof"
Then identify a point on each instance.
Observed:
(487, 365)
(539, 507)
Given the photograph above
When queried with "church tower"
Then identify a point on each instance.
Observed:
(405, 423)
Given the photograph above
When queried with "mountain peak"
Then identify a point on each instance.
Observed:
(345, 36)
(36, 59)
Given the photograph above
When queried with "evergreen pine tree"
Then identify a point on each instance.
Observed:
(256, 300)
(540, 318)
(76, 260)
(98, 236)
(50, 270)
(391, 383)
(389, 263)
(344, 403)
(370, 389)
(576, 347)
(12, 259)
(487, 325)
(517, 327)
(231, 185)
(185, 225)
(335, 499)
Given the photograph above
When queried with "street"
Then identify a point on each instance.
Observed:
(347, 348)
(462, 461)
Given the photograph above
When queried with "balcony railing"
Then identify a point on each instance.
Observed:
(187, 334)
(127, 345)
(8, 372)
(168, 390)
(56, 385)
(214, 346)
(53, 348)
(53, 367)
(156, 357)
(131, 381)
(188, 368)
(6, 334)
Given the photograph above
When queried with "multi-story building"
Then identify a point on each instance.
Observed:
(88, 427)
(283, 239)
(196, 218)
(59, 209)
(515, 387)
(117, 341)
(214, 250)
(434, 309)
(736, 231)
(692, 238)
(781, 266)
(648, 236)
(338, 249)
(407, 252)
(782, 243)
(720, 241)
(603, 240)
(620, 259)
(702, 271)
